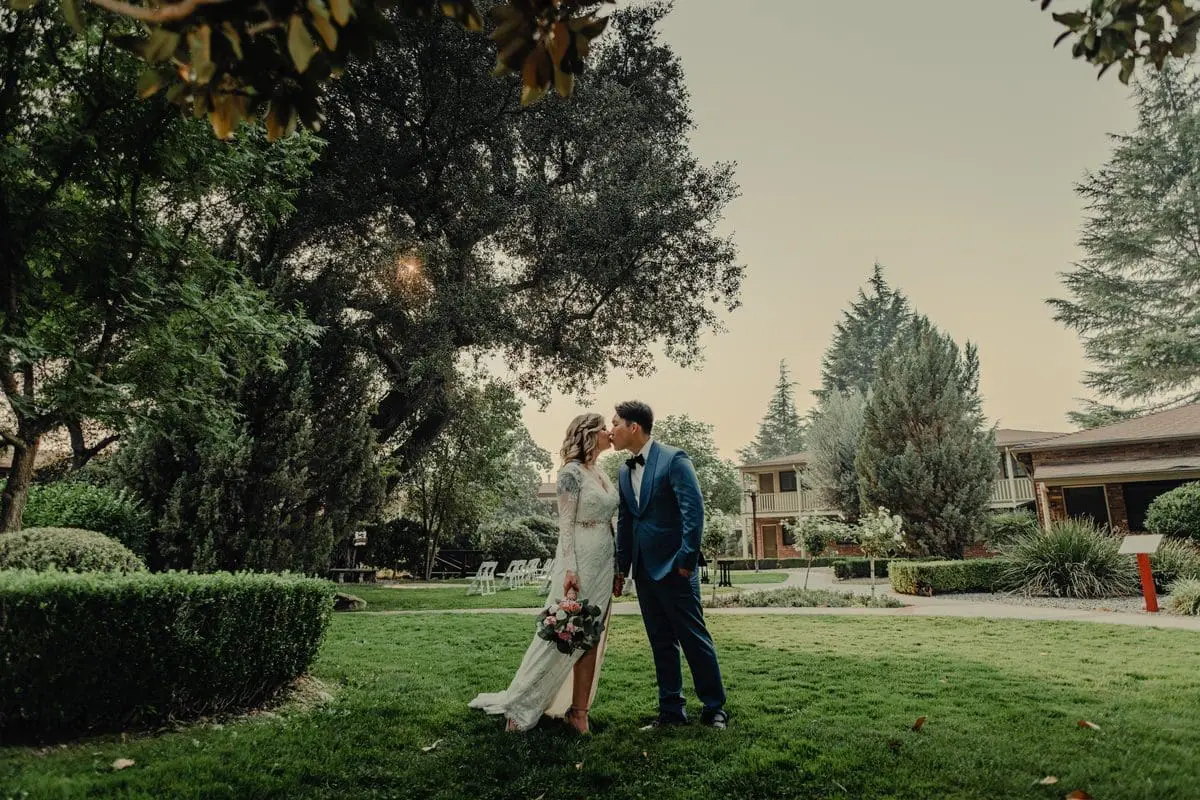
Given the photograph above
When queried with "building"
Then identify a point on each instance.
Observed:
(779, 493)
(1111, 474)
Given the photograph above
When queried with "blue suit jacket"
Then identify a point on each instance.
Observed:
(662, 532)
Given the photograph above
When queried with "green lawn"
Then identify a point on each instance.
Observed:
(822, 707)
(380, 598)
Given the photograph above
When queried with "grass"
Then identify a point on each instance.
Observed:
(382, 598)
(822, 707)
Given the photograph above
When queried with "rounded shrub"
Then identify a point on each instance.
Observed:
(74, 504)
(1072, 558)
(1175, 560)
(67, 549)
(1176, 513)
(509, 539)
(80, 652)
(1185, 597)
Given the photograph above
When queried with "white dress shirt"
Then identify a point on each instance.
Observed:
(635, 475)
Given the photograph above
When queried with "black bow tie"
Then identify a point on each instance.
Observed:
(633, 462)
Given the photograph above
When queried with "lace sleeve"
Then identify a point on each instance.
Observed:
(570, 484)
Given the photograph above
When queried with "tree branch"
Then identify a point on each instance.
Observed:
(171, 12)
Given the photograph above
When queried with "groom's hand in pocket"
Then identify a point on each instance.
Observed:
(618, 585)
(684, 573)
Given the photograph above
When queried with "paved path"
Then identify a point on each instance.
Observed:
(945, 606)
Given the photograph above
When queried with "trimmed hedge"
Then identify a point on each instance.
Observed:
(781, 563)
(66, 549)
(941, 577)
(74, 504)
(100, 651)
(848, 568)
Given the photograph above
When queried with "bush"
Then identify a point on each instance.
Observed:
(509, 539)
(1073, 558)
(851, 568)
(72, 504)
(81, 652)
(781, 563)
(66, 549)
(1175, 560)
(1176, 513)
(794, 597)
(1185, 597)
(942, 577)
(1005, 527)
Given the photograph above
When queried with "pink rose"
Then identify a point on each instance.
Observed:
(549, 621)
(571, 628)
(564, 636)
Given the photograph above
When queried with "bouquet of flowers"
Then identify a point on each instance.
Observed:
(570, 624)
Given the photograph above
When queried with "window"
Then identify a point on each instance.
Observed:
(787, 480)
(1086, 502)
(1139, 496)
(766, 483)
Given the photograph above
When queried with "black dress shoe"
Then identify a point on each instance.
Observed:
(718, 719)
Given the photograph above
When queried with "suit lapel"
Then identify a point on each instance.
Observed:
(648, 477)
(627, 489)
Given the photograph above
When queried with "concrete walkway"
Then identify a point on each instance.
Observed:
(944, 606)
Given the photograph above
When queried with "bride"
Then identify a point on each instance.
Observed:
(548, 681)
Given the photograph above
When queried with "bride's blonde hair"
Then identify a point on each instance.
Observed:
(580, 440)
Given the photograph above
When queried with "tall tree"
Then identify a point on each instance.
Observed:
(925, 453)
(782, 429)
(118, 294)
(1134, 299)
(871, 325)
(833, 442)
(564, 238)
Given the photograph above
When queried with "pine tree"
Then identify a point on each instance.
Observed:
(782, 430)
(868, 328)
(833, 442)
(925, 453)
(1135, 297)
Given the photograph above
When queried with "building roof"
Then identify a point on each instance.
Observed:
(548, 490)
(1010, 437)
(1176, 423)
(1107, 469)
(778, 461)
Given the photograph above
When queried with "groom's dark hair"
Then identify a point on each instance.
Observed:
(639, 412)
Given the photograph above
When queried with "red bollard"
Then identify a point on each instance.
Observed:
(1143, 560)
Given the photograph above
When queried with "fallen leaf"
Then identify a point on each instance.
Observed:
(1079, 794)
(894, 745)
(920, 723)
(579, 765)
(1049, 780)
(430, 747)
(645, 754)
(1083, 723)
(1043, 654)
(122, 763)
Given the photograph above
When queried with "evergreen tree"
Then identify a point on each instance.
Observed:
(924, 452)
(1135, 297)
(832, 448)
(781, 431)
(868, 328)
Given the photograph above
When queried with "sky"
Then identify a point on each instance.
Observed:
(941, 138)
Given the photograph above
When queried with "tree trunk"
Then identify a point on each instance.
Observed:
(16, 489)
(807, 571)
(872, 576)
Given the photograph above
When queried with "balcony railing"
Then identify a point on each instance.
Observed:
(1004, 495)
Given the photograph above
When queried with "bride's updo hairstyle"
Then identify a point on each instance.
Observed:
(581, 438)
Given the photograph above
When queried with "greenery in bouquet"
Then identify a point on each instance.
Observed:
(571, 624)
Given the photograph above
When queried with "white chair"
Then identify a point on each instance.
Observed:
(531, 571)
(484, 579)
(514, 573)
(543, 577)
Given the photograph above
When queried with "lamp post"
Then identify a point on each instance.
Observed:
(752, 493)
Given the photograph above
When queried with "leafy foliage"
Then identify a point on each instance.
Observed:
(941, 577)
(1005, 526)
(1176, 513)
(1174, 561)
(1128, 31)
(235, 61)
(1071, 558)
(1132, 297)
(504, 540)
(867, 331)
(81, 652)
(75, 504)
(719, 537)
(69, 549)
(781, 432)
(924, 452)
(833, 441)
(1185, 597)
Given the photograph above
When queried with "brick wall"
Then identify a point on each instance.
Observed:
(1114, 494)
(1123, 452)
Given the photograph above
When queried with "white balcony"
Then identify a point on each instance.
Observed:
(1005, 494)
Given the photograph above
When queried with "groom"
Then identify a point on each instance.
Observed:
(659, 522)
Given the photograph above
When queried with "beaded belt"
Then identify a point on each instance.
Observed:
(594, 524)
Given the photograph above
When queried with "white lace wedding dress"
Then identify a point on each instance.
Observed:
(543, 683)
